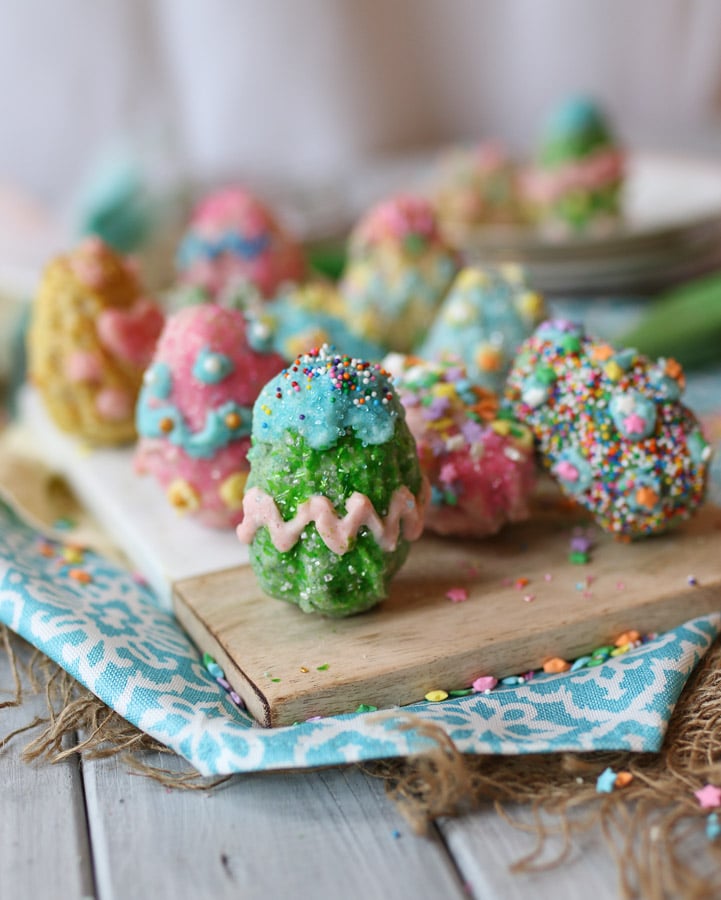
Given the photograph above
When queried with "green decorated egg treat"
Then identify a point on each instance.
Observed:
(335, 492)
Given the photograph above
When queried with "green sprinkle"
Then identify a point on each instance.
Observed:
(275, 680)
(207, 659)
(324, 667)
(570, 343)
(578, 558)
(545, 375)
(366, 707)
(461, 692)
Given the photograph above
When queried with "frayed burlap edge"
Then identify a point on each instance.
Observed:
(647, 825)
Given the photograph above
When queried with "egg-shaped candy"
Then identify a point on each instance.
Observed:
(481, 466)
(335, 492)
(611, 428)
(399, 267)
(486, 315)
(92, 333)
(234, 244)
(194, 412)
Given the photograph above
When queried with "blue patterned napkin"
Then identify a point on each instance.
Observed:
(93, 619)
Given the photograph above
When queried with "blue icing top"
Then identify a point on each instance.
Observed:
(575, 114)
(322, 396)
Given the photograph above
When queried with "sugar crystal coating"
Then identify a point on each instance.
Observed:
(92, 333)
(234, 241)
(329, 432)
(482, 321)
(399, 267)
(480, 467)
(194, 412)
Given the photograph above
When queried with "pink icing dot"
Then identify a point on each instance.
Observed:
(114, 404)
(83, 366)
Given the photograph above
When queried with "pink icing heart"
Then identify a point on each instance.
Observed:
(131, 334)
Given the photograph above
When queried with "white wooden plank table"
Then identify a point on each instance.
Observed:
(99, 829)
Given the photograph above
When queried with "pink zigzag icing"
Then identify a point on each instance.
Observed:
(259, 510)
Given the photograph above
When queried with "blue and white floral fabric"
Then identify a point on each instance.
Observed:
(109, 633)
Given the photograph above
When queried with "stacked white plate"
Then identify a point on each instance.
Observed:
(671, 230)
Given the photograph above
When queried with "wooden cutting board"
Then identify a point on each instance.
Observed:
(526, 602)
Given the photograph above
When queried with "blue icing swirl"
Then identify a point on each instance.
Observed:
(157, 381)
(223, 425)
(322, 396)
(211, 367)
(194, 248)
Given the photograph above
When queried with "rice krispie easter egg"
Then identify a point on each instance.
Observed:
(576, 182)
(307, 315)
(92, 333)
(487, 314)
(234, 244)
(476, 186)
(611, 428)
(194, 412)
(480, 466)
(335, 492)
(399, 267)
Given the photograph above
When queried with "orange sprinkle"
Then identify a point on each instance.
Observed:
(646, 497)
(81, 576)
(628, 637)
(556, 665)
(674, 369)
(522, 582)
(46, 550)
(602, 352)
(623, 779)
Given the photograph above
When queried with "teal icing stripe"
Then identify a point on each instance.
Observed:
(218, 431)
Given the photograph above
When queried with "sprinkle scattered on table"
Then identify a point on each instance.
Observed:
(457, 594)
(606, 782)
(80, 575)
(713, 826)
(436, 696)
(709, 796)
(484, 683)
(555, 665)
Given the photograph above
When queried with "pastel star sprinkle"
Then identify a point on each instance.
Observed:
(606, 782)
(457, 594)
(634, 424)
(708, 796)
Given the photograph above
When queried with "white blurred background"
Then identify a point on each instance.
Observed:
(317, 88)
